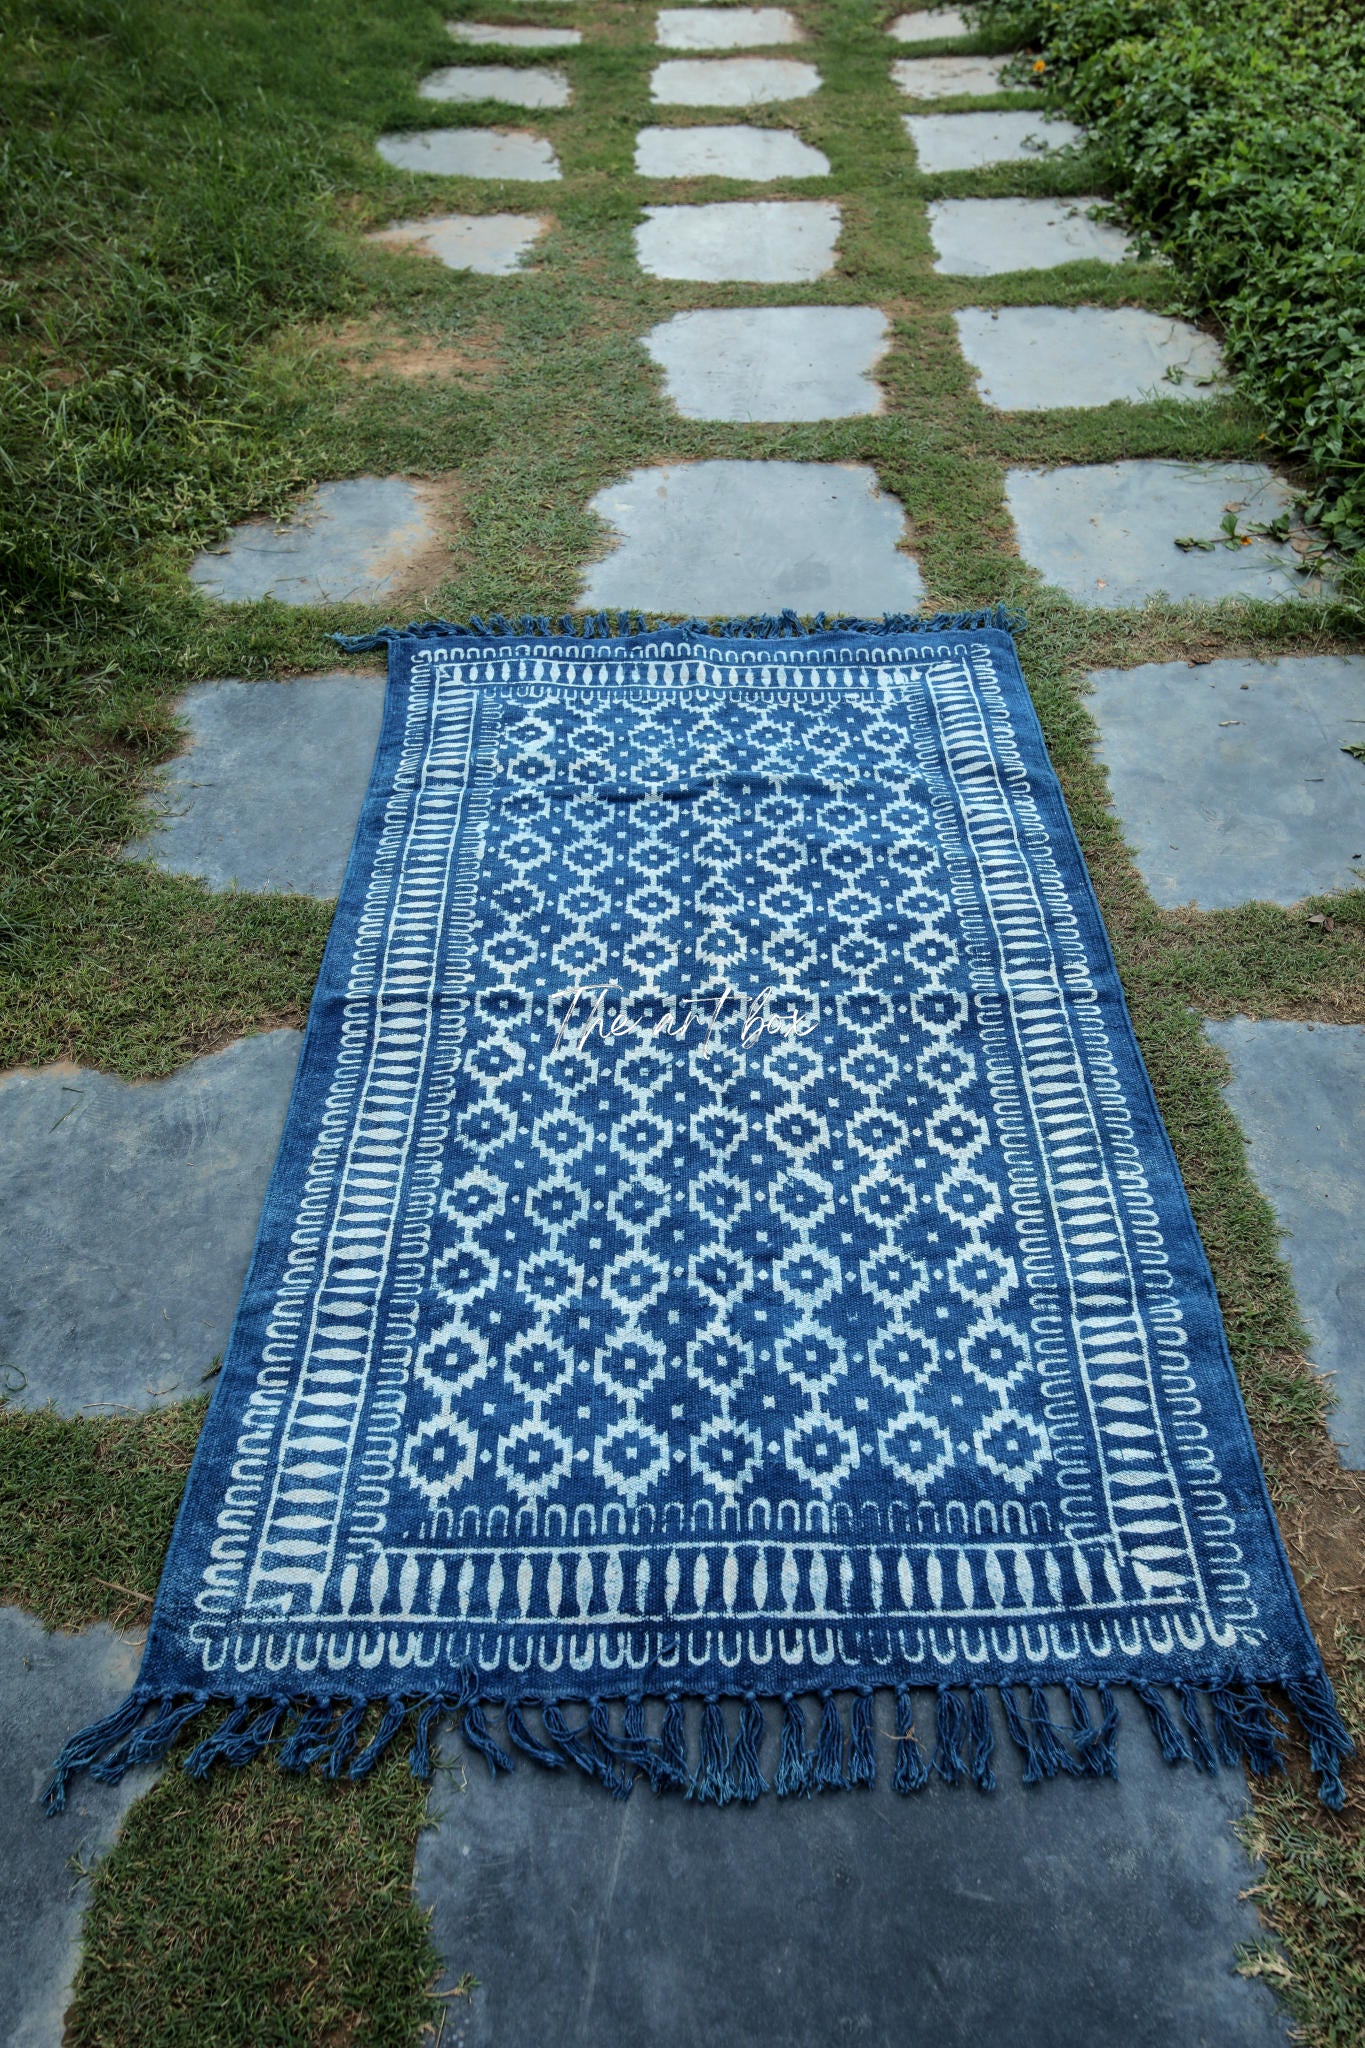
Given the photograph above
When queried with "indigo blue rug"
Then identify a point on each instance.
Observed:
(723, 1251)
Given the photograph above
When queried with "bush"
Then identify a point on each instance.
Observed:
(1235, 138)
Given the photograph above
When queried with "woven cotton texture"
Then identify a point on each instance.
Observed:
(723, 1247)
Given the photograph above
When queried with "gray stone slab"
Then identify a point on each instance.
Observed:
(943, 78)
(51, 1686)
(473, 153)
(1069, 1915)
(734, 152)
(742, 241)
(1106, 532)
(1298, 1091)
(772, 362)
(268, 792)
(129, 1212)
(729, 538)
(969, 142)
(992, 237)
(1230, 778)
(495, 244)
(353, 539)
(724, 28)
(1031, 358)
(511, 85)
(731, 81)
(504, 36)
(930, 25)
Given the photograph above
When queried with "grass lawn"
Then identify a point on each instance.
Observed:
(197, 331)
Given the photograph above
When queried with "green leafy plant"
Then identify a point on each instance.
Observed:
(1234, 134)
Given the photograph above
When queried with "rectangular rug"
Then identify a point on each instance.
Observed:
(723, 1251)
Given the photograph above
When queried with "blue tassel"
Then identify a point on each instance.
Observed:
(1328, 1743)
(1201, 1748)
(204, 1755)
(1022, 1735)
(428, 1714)
(981, 1736)
(149, 1743)
(949, 1719)
(310, 1737)
(633, 1745)
(713, 1784)
(575, 1742)
(395, 1714)
(256, 1736)
(1052, 1751)
(610, 1752)
(749, 1781)
(343, 1741)
(794, 1765)
(1173, 1745)
(911, 1773)
(474, 1729)
(640, 1749)
(520, 1736)
(670, 1761)
(1095, 1746)
(1262, 1725)
(1243, 1728)
(1225, 1734)
(830, 1775)
(88, 1744)
(862, 1765)
(598, 626)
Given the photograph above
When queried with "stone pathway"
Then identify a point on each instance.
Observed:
(1298, 1091)
(268, 790)
(859, 1918)
(51, 1685)
(1066, 1917)
(130, 1212)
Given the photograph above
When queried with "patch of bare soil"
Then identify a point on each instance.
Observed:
(370, 348)
(418, 568)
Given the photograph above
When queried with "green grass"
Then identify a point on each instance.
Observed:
(188, 190)
(256, 1908)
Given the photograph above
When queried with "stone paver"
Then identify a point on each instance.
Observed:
(1230, 778)
(721, 152)
(931, 25)
(992, 237)
(473, 153)
(1298, 1091)
(1075, 1915)
(942, 78)
(753, 241)
(129, 1214)
(1106, 533)
(51, 1686)
(502, 35)
(268, 792)
(1030, 358)
(731, 81)
(506, 83)
(772, 362)
(724, 28)
(356, 538)
(716, 538)
(495, 244)
(969, 142)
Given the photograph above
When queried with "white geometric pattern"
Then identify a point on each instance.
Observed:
(809, 1266)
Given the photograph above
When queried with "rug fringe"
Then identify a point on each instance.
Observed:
(785, 625)
(326, 1732)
